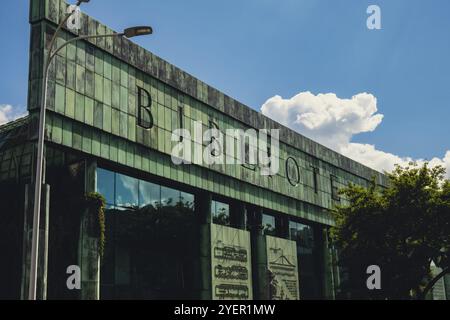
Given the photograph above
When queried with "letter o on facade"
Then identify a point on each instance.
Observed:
(292, 171)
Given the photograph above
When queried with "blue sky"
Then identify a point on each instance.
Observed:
(254, 50)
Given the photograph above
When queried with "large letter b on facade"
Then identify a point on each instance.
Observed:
(145, 118)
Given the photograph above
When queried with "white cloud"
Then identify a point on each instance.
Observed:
(333, 122)
(9, 113)
(5, 111)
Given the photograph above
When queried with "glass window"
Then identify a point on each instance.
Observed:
(123, 191)
(147, 256)
(301, 233)
(169, 197)
(149, 194)
(136, 265)
(220, 213)
(105, 185)
(308, 259)
(187, 200)
(126, 191)
(268, 224)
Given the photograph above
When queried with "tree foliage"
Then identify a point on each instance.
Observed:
(401, 228)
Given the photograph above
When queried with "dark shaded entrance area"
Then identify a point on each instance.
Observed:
(12, 199)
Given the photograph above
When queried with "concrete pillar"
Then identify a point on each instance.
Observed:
(88, 253)
(283, 227)
(327, 260)
(336, 272)
(238, 215)
(259, 255)
(261, 280)
(203, 211)
(43, 243)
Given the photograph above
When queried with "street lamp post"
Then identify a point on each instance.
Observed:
(128, 33)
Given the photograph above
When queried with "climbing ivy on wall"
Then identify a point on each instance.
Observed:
(96, 204)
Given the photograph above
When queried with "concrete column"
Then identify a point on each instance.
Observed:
(283, 227)
(335, 271)
(237, 215)
(88, 253)
(328, 279)
(203, 210)
(261, 280)
(43, 243)
(259, 255)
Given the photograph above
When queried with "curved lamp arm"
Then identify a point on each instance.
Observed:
(128, 33)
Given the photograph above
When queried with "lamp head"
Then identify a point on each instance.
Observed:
(137, 31)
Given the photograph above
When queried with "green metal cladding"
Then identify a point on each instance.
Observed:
(92, 103)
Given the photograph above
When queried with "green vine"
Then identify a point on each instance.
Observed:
(96, 203)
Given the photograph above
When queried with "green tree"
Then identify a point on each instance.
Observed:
(401, 228)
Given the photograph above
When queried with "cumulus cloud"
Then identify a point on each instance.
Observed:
(333, 122)
(9, 113)
(5, 111)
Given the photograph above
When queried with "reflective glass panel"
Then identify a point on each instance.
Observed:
(268, 224)
(105, 185)
(126, 191)
(220, 213)
(149, 194)
(169, 197)
(308, 259)
(187, 200)
(147, 255)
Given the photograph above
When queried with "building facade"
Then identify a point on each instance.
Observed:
(191, 231)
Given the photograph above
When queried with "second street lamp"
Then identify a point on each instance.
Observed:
(128, 33)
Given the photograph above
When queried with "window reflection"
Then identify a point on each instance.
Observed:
(268, 224)
(302, 234)
(151, 240)
(220, 213)
(126, 191)
(149, 194)
(105, 185)
(187, 200)
(308, 258)
(169, 197)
